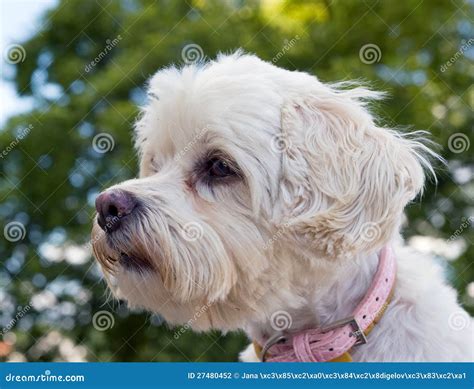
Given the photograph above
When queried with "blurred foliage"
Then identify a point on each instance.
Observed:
(49, 179)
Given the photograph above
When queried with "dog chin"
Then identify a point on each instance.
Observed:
(139, 281)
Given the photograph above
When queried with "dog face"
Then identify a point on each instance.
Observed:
(253, 181)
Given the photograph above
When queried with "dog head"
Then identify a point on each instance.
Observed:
(254, 180)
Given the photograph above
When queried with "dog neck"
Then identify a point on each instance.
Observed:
(332, 297)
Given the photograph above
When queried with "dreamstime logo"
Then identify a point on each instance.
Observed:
(459, 320)
(281, 320)
(45, 377)
(465, 224)
(280, 143)
(109, 45)
(192, 53)
(370, 232)
(103, 320)
(465, 47)
(458, 143)
(197, 314)
(370, 54)
(280, 232)
(20, 313)
(103, 143)
(23, 133)
(14, 54)
(110, 223)
(192, 231)
(190, 144)
(14, 232)
(287, 46)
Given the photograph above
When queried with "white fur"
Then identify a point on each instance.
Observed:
(323, 188)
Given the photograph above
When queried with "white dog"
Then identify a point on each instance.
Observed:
(266, 202)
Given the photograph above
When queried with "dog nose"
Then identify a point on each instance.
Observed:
(112, 206)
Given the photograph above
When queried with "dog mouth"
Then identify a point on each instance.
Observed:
(135, 264)
(117, 249)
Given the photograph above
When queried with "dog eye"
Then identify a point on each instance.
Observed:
(219, 168)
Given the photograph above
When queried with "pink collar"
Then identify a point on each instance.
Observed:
(336, 340)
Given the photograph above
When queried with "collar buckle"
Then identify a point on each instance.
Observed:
(361, 338)
(278, 337)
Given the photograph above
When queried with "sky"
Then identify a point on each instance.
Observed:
(19, 20)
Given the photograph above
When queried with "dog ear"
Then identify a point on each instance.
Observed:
(350, 179)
